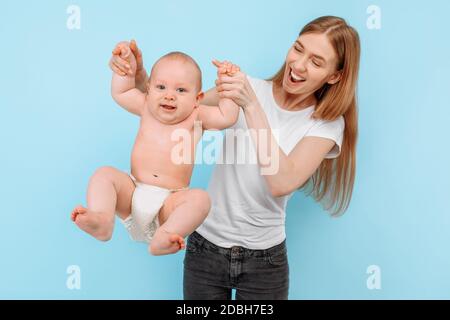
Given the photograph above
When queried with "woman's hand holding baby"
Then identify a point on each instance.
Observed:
(225, 67)
(125, 53)
(122, 67)
(233, 84)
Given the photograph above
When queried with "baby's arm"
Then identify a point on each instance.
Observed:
(223, 116)
(123, 88)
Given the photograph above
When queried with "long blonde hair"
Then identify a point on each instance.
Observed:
(332, 183)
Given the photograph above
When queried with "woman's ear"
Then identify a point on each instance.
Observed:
(335, 77)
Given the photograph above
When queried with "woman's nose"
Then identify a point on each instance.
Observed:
(300, 64)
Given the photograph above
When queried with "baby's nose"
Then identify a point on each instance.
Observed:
(170, 96)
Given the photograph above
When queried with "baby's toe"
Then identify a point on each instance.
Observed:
(80, 209)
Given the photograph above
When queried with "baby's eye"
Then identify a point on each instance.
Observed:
(160, 86)
(181, 90)
(317, 64)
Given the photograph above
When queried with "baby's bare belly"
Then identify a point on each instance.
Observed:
(154, 166)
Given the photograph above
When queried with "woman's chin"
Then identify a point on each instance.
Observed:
(288, 89)
(295, 89)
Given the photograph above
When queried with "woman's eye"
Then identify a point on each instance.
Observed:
(181, 90)
(316, 63)
(299, 49)
(160, 87)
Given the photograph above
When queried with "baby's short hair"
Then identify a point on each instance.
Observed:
(185, 58)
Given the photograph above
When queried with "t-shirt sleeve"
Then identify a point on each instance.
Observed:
(333, 130)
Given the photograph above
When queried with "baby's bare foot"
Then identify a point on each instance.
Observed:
(96, 224)
(164, 242)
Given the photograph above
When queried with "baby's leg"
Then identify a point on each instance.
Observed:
(182, 213)
(109, 191)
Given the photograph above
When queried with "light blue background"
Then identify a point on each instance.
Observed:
(58, 124)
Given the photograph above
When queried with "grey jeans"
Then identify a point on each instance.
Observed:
(210, 271)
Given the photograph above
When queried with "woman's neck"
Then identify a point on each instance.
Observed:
(292, 102)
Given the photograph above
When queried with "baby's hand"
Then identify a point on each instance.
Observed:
(225, 68)
(124, 51)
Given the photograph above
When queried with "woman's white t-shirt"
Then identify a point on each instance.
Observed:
(243, 211)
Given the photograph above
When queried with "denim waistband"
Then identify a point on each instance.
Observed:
(237, 250)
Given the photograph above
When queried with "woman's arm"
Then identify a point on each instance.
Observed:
(122, 67)
(283, 173)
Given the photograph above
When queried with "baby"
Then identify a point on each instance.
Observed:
(154, 202)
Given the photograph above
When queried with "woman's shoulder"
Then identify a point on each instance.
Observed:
(336, 125)
(339, 122)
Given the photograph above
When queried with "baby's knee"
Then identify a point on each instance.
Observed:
(104, 172)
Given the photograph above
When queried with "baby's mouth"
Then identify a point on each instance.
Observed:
(168, 107)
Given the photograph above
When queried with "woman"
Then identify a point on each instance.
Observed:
(306, 115)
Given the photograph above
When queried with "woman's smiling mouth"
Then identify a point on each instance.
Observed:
(295, 78)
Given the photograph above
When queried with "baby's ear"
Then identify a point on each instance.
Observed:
(199, 98)
(200, 95)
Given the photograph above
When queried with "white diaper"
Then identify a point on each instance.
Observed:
(147, 200)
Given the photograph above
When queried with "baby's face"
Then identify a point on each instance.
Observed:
(173, 91)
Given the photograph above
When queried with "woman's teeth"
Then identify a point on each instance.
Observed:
(296, 78)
